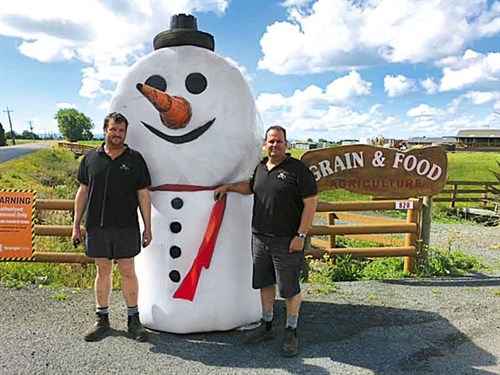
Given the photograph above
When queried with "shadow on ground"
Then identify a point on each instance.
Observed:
(475, 280)
(384, 340)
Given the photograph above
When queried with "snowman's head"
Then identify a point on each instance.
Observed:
(191, 115)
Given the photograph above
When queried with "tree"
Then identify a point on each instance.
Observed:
(3, 141)
(26, 134)
(74, 125)
(310, 140)
(8, 135)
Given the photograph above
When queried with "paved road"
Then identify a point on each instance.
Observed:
(400, 327)
(11, 152)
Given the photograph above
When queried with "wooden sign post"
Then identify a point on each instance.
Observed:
(382, 172)
(379, 171)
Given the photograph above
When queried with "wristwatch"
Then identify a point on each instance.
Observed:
(302, 236)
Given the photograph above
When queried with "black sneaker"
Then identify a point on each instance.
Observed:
(290, 347)
(261, 333)
(99, 329)
(136, 329)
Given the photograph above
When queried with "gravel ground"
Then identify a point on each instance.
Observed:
(430, 326)
(478, 240)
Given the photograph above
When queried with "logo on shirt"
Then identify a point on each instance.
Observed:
(282, 176)
(124, 167)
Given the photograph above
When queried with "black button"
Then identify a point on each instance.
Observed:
(175, 252)
(175, 227)
(175, 276)
(177, 203)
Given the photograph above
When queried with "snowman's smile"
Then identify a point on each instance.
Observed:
(179, 139)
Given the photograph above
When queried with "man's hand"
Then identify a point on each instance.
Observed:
(76, 236)
(146, 237)
(296, 245)
(220, 192)
(242, 187)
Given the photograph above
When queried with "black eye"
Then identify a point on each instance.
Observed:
(196, 83)
(158, 82)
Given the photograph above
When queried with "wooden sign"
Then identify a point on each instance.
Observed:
(17, 234)
(379, 171)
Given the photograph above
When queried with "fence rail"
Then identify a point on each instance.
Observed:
(460, 191)
(409, 248)
(77, 148)
(370, 227)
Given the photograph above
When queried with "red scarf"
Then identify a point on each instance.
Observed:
(187, 289)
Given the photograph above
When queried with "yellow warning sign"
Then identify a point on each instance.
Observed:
(17, 227)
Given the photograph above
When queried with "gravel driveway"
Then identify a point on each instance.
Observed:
(430, 326)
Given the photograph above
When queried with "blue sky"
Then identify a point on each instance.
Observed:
(333, 69)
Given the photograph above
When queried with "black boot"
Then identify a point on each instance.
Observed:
(136, 329)
(261, 333)
(290, 346)
(99, 329)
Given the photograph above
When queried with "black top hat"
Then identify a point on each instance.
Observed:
(183, 31)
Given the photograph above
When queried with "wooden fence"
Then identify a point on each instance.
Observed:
(77, 148)
(372, 226)
(468, 191)
(409, 248)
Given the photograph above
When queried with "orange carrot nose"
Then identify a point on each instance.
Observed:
(175, 111)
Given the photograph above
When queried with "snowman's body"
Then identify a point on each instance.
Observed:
(225, 152)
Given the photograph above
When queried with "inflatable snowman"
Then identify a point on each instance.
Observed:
(193, 118)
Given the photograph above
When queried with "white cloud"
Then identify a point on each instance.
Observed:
(342, 34)
(397, 85)
(314, 99)
(63, 105)
(291, 3)
(475, 97)
(310, 113)
(347, 87)
(429, 85)
(454, 105)
(481, 97)
(105, 35)
(267, 102)
(472, 68)
(92, 86)
(319, 110)
(424, 110)
(104, 105)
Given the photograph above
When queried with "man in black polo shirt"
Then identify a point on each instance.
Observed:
(284, 207)
(114, 181)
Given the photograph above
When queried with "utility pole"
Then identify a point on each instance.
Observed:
(30, 123)
(10, 122)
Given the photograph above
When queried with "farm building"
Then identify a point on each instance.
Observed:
(302, 145)
(479, 139)
(447, 142)
(347, 142)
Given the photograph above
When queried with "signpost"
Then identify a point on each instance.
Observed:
(383, 172)
(379, 171)
(17, 233)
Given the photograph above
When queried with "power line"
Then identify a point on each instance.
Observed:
(32, 135)
(10, 122)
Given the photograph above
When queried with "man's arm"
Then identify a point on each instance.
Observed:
(80, 205)
(306, 220)
(242, 187)
(145, 208)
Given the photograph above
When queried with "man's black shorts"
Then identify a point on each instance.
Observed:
(274, 264)
(113, 243)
